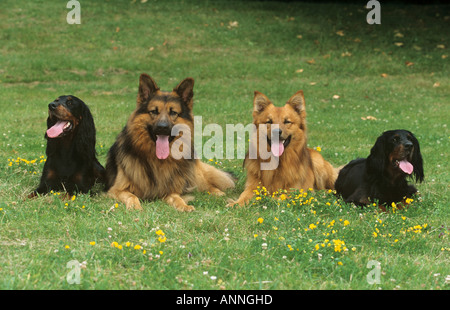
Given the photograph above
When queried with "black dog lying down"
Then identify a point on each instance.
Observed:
(382, 176)
(71, 163)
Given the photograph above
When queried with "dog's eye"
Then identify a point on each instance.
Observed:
(269, 121)
(287, 121)
(173, 113)
(396, 139)
(154, 112)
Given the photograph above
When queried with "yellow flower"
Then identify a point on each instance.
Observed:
(374, 234)
(137, 247)
(312, 226)
(260, 220)
(127, 244)
(162, 239)
(159, 232)
(92, 243)
(346, 223)
(340, 263)
(338, 245)
(67, 247)
(319, 149)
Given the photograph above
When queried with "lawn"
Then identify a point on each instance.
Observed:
(359, 80)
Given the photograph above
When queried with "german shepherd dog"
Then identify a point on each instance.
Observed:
(298, 167)
(142, 163)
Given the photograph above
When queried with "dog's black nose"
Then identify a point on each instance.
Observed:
(52, 106)
(408, 145)
(277, 132)
(162, 128)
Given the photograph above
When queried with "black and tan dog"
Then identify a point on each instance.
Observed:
(382, 176)
(71, 164)
(141, 163)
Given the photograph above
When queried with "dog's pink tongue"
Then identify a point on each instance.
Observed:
(162, 147)
(406, 166)
(277, 148)
(56, 129)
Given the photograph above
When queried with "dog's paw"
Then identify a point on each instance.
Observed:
(133, 203)
(231, 203)
(185, 208)
(216, 192)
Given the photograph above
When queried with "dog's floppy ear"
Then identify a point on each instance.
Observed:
(147, 89)
(377, 158)
(186, 91)
(260, 102)
(297, 101)
(417, 160)
(84, 140)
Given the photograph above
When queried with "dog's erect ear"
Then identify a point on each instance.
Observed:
(260, 102)
(417, 160)
(297, 101)
(147, 89)
(186, 91)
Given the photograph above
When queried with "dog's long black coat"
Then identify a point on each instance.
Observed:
(382, 176)
(71, 164)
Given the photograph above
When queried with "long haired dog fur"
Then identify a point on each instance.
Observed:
(141, 163)
(382, 176)
(71, 164)
(299, 167)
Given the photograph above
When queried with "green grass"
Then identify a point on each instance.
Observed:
(276, 48)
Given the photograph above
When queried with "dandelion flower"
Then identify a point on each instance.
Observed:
(92, 243)
(260, 220)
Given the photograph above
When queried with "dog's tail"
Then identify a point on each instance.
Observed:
(210, 178)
